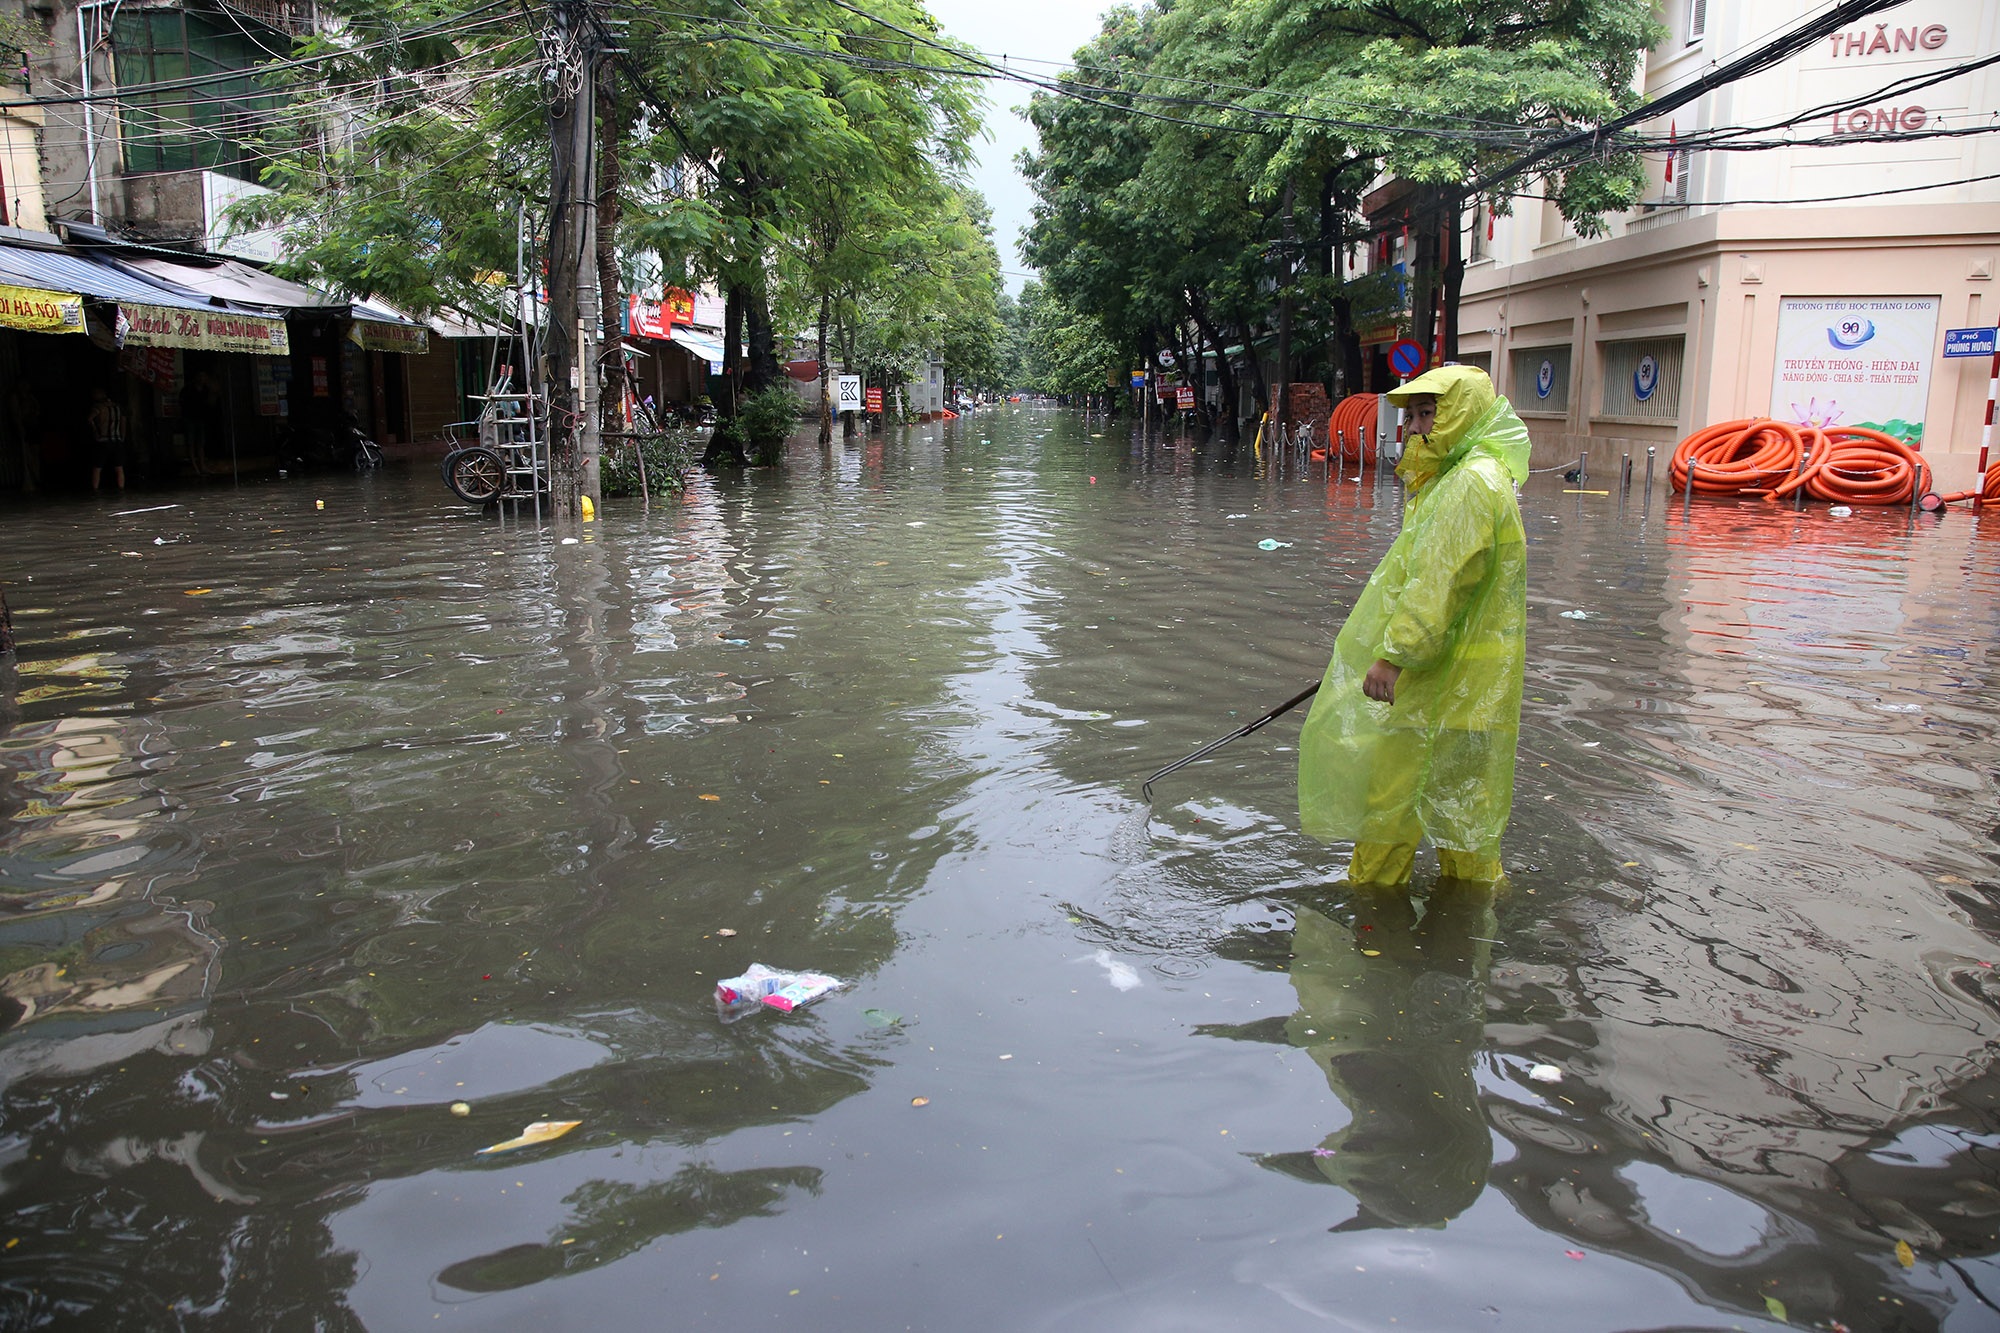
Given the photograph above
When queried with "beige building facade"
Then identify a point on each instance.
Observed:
(20, 152)
(1814, 282)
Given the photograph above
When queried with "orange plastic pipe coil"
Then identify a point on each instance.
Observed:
(1353, 415)
(1989, 491)
(1858, 466)
(1752, 456)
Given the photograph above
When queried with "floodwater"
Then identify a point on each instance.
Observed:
(319, 821)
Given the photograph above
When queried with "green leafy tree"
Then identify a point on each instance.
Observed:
(1201, 180)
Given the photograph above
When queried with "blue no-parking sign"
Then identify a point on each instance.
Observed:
(1406, 359)
(1968, 342)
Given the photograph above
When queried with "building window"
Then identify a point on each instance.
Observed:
(1540, 379)
(1697, 20)
(1642, 378)
(1478, 360)
(1476, 245)
(214, 104)
(1555, 226)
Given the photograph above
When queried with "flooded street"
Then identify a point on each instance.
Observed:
(320, 821)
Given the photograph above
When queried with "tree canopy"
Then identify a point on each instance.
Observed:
(1203, 164)
(808, 161)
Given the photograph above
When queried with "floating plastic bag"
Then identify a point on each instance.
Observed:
(766, 986)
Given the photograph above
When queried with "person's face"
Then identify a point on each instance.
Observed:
(1423, 411)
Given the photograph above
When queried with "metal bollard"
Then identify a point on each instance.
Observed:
(1649, 476)
(1583, 469)
(1687, 496)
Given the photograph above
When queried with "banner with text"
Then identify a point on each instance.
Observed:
(213, 331)
(374, 336)
(1856, 361)
(38, 311)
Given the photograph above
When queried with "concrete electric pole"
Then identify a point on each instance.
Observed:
(575, 321)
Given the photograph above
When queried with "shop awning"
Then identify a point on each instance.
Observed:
(376, 325)
(706, 345)
(40, 310)
(149, 313)
(380, 327)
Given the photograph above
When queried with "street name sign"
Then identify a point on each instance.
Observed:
(1968, 342)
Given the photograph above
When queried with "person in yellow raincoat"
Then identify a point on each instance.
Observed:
(1412, 733)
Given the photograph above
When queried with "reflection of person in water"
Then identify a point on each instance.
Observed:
(1392, 1011)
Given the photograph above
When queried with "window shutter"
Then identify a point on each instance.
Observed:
(1697, 20)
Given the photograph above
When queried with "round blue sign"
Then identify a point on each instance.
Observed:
(1545, 379)
(1646, 378)
(1406, 358)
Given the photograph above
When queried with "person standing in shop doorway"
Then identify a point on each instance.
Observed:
(107, 434)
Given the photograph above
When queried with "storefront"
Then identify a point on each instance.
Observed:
(178, 367)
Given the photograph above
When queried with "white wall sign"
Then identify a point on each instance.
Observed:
(1545, 379)
(266, 245)
(1856, 361)
(847, 397)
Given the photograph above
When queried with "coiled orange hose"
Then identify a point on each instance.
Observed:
(1989, 491)
(1845, 464)
(1738, 457)
(1858, 466)
(1353, 415)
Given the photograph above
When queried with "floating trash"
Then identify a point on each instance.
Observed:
(1269, 545)
(1576, 615)
(767, 986)
(542, 1131)
(1116, 971)
(1546, 1074)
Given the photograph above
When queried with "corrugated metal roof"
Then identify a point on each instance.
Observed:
(227, 280)
(58, 270)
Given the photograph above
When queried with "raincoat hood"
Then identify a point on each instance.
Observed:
(1470, 415)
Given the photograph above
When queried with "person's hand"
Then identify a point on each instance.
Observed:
(1380, 682)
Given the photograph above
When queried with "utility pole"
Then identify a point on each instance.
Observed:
(575, 322)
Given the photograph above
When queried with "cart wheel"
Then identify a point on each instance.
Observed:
(477, 475)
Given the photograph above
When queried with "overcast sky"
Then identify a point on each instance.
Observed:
(1023, 29)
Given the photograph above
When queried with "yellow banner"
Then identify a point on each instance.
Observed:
(209, 330)
(39, 311)
(410, 339)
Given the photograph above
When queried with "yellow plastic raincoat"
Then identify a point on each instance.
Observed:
(1447, 604)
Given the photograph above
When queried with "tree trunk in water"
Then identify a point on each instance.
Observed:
(732, 352)
(1424, 281)
(763, 349)
(1454, 275)
(1287, 270)
(825, 407)
(720, 440)
(1225, 378)
(610, 286)
(1257, 386)
(1326, 254)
